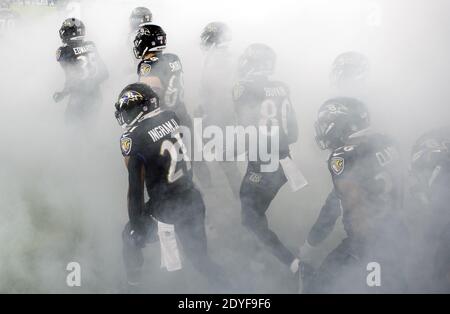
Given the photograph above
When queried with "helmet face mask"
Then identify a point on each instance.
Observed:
(337, 120)
(215, 34)
(322, 130)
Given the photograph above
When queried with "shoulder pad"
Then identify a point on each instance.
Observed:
(89, 43)
(170, 57)
(58, 54)
(63, 53)
(284, 86)
(173, 62)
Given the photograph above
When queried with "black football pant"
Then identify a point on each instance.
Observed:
(186, 211)
(258, 189)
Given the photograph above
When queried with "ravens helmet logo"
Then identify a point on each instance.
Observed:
(130, 96)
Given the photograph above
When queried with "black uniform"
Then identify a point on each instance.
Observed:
(431, 171)
(168, 69)
(262, 102)
(155, 146)
(85, 71)
(375, 233)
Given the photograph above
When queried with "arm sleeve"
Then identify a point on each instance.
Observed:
(326, 221)
(135, 191)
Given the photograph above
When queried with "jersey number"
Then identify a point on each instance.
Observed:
(269, 114)
(88, 64)
(175, 149)
(175, 90)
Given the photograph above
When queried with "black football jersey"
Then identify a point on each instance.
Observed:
(262, 102)
(373, 163)
(158, 145)
(168, 69)
(81, 62)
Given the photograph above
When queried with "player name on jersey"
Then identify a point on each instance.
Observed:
(83, 49)
(162, 130)
(275, 92)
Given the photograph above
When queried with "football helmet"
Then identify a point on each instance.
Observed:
(348, 68)
(339, 118)
(258, 59)
(149, 38)
(134, 102)
(214, 34)
(140, 16)
(72, 29)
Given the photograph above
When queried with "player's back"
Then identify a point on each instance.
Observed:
(167, 68)
(157, 142)
(81, 62)
(265, 103)
(75, 51)
(372, 163)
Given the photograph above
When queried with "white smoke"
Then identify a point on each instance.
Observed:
(63, 190)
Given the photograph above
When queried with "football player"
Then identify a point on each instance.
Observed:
(261, 101)
(139, 17)
(154, 155)
(217, 82)
(84, 70)
(366, 172)
(163, 72)
(349, 73)
(430, 174)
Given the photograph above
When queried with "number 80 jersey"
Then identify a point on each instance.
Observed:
(155, 144)
(266, 103)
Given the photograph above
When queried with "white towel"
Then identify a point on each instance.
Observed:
(295, 177)
(170, 254)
